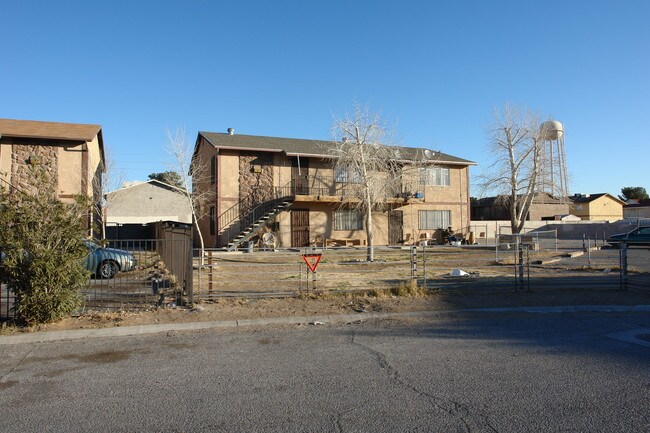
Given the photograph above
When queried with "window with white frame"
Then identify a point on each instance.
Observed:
(347, 175)
(347, 220)
(435, 219)
(434, 176)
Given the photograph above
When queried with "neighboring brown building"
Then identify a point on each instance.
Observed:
(639, 209)
(71, 155)
(597, 207)
(291, 186)
(543, 207)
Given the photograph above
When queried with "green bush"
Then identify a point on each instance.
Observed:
(43, 256)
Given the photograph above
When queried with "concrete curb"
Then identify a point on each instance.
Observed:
(40, 337)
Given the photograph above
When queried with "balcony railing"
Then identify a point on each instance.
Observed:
(331, 186)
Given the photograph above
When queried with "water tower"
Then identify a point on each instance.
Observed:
(554, 179)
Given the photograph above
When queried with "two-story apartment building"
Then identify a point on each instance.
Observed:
(289, 187)
(70, 155)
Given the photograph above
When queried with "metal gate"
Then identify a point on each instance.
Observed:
(395, 227)
(299, 228)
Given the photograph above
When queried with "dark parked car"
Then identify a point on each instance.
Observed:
(638, 236)
(107, 262)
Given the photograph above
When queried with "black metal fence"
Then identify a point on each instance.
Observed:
(162, 275)
(466, 268)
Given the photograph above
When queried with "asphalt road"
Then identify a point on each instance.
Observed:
(479, 372)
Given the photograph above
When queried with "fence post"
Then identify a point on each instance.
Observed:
(589, 253)
(519, 263)
(414, 265)
(623, 265)
(209, 269)
(424, 264)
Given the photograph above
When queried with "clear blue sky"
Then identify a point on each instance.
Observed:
(281, 68)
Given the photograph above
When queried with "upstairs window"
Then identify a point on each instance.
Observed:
(213, 217)
(213, 170)
(347, 175)
(434, 176)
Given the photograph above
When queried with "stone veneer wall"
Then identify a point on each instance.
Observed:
(257, 186)
(22, 171)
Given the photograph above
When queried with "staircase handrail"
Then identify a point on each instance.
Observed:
(232, 214)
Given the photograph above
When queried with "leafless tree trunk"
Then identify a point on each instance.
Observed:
(366, 161)
(107, 178)
(191, 174)
(516, 144)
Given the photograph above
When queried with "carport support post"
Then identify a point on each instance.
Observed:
(623, 265)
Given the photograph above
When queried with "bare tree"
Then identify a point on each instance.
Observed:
(107, 178)
(516, 143)
(191, 174)
(366, 163)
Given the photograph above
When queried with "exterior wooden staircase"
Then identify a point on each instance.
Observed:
(245, 216)
(257, 217)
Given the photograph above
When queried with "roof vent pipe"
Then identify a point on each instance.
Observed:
(231, 131)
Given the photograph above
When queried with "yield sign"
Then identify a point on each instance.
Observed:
(312, 260)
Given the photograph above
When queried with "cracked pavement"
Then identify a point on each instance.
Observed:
(460, 372)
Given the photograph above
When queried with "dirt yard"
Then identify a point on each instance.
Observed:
(231, 309)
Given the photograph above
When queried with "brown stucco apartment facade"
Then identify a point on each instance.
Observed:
(288, 187)
(70, 154)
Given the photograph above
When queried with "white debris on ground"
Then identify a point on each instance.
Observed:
(458, 273)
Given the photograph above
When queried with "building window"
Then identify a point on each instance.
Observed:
(434, 176)
(347, 175)
(435, 219)
(347, 220)
(213, 170)
(212, 220)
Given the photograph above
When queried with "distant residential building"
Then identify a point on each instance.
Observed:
(131, 209)
(637, 209)
(597, 207)
(543, 207)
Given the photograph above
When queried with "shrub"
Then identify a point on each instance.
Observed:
(43, 256)
(411, 289)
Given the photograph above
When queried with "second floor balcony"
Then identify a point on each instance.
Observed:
(331, 188)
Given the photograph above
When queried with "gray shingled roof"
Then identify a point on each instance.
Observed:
(298, 146)
(586, 198)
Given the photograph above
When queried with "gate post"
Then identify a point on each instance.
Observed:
(189, 271)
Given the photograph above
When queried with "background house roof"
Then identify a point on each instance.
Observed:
(639, 203)
(153, 182)
(586, 198)
(298, 146)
